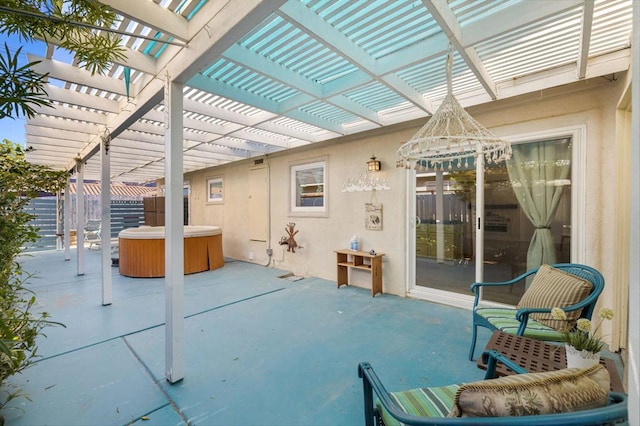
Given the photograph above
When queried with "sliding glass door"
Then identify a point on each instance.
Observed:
(527, 220)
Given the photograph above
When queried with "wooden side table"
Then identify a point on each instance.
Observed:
(362, 260)
(536, 356)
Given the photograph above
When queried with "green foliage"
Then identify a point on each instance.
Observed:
(20, 326)
(583, 341)
(21, 89)
(67, 23)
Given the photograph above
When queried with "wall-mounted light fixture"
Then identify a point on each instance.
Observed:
(366, 181)
(373, 165)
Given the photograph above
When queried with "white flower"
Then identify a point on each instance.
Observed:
(606, 313)
(584, 325)
(558, 314)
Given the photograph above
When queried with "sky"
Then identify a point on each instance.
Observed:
(14, 128)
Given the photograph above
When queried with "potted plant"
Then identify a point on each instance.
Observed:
(583, 345)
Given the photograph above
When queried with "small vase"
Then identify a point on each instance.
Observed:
(581, 359)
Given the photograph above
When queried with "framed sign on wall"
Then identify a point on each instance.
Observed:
(215, 189)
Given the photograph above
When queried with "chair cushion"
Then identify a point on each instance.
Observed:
(551, 288)
(424, 402)
(504, 319)
(562, 391)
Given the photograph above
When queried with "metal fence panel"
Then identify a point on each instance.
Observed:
(124, 214)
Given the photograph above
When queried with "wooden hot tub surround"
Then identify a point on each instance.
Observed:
(141, 250)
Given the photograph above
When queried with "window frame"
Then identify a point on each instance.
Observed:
(308, 211)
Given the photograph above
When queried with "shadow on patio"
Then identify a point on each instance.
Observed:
(260, 350)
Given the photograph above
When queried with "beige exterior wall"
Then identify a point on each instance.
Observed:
(591, 104)
(317, 236)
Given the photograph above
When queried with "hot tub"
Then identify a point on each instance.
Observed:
(142, 250)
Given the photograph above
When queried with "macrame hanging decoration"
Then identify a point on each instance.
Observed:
(451, 138)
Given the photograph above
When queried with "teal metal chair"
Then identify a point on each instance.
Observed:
(378, 400)
(518, 321)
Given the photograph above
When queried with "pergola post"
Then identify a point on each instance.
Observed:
(67, 221)
(59, 219)
(105, 226)
(80, 218)
(174, 233)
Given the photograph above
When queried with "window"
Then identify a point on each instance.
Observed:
(308, 189)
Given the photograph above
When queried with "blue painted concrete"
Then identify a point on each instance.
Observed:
(259, 350)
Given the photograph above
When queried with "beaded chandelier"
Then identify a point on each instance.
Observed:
(451, 137)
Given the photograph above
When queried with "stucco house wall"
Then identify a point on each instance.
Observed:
(591, 104)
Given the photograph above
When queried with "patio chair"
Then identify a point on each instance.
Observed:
(568, 397)
(572, 287)
(92, 232)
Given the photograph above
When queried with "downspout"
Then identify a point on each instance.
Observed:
(269, 249)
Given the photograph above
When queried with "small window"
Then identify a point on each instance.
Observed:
(308, 189)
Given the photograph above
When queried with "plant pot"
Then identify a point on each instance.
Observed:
(581, 359)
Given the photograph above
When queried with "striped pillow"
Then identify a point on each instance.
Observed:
(562, 391)
(551, 288)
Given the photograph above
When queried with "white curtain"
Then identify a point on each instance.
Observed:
(538, 173)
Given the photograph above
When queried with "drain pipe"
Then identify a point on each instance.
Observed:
(269, 249)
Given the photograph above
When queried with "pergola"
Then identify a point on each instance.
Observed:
(263, 76)
(212, 82)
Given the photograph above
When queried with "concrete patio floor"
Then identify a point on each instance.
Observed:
(260, 350)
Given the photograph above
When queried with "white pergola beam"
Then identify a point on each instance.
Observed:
(69, 73)
(214, 132)
(237, 120)
(154, 143)
(355, 108)
(133, 59)
(73, 114)
(58, 123)
(58, 143)
(65, 135)
(238, 144)
(320, 135)
(585, 38)
(226, 26)
(599, 66)
(509, 17)
(66, 96)
(409, 93)
(152, 15)
(512, 16)
(274, 71)
(210, 85)
(192, 123)
(300, 16)
(215, 35)
(264, 139)
(55, 160)
(444, 16)
(416, 53)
